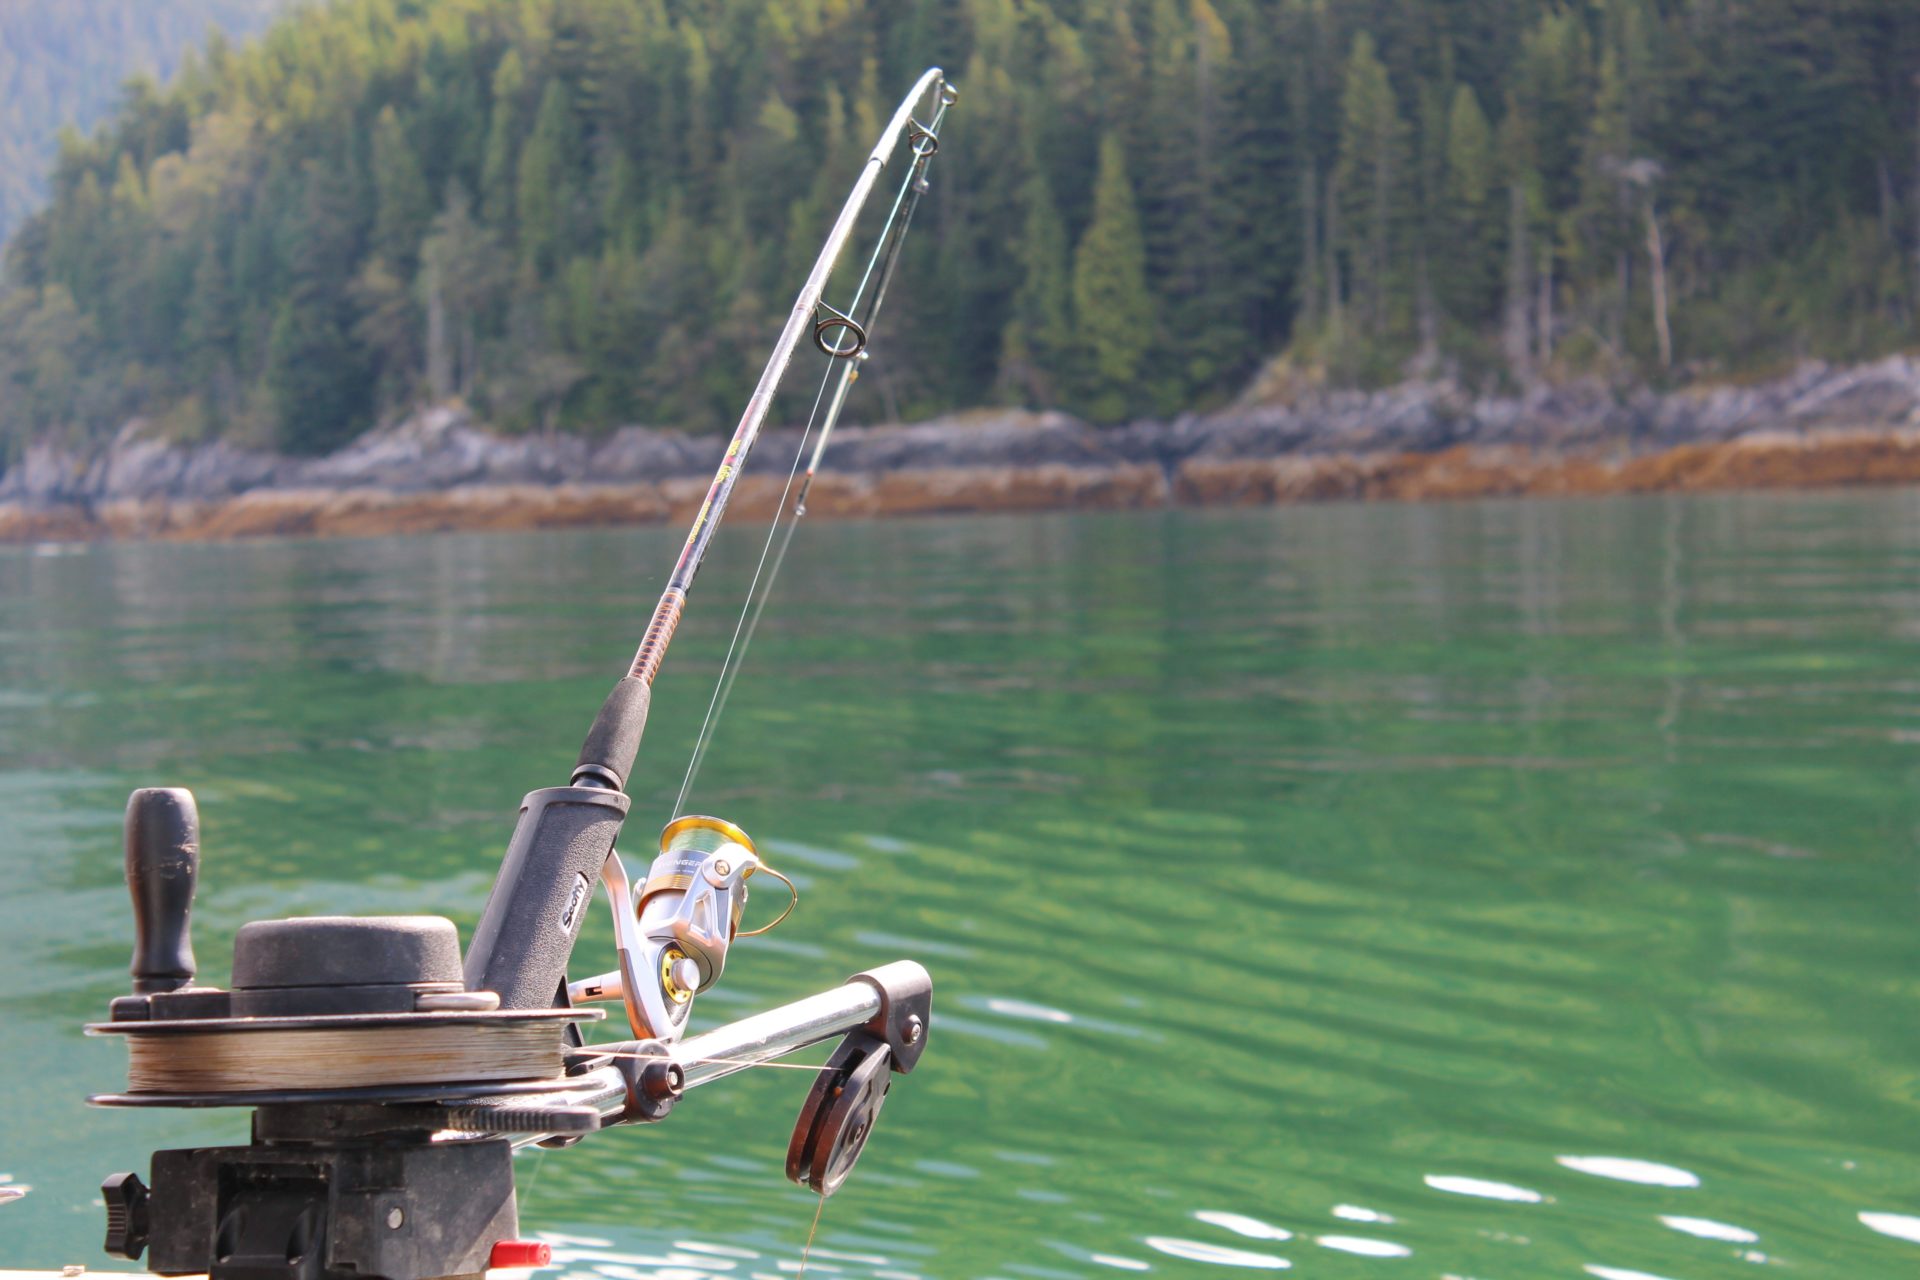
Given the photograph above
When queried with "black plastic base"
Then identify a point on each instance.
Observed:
(398, 1209)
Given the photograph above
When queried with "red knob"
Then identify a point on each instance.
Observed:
(520, 1253)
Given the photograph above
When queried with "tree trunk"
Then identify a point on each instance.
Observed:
(1204, 177)
(1515, 337)
(1886, 200)
(1428, 359)
(1380, 251)
(439, 362)
(1544, 347)
(1623, 291)
(1657, 257)
(469, 357)
(1309, 250)
(1335, 318)
(1889, 211)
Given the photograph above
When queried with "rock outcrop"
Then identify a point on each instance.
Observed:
(441, 470)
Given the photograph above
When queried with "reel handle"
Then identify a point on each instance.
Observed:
(163, 867)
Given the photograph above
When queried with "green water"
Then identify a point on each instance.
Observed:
(1430, 891)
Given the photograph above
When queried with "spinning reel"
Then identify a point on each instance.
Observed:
(672, 940)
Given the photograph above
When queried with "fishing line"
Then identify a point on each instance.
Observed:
(727, 664)
(750, 610)
(887, 248)
(706, 1062)
(525, 1194)
(806, 1250)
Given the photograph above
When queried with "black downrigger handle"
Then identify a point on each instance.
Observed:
(163, 865)
(527, 930)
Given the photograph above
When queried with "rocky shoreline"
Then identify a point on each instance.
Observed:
(439, 470)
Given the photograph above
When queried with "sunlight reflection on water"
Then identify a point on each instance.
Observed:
(1708, 1229)
(1199, 1251)
(1481, 1187)
(1622, 1169)
(1897, 1225)
(1363, 1246)
(1355, 1213)
(1241, 1224)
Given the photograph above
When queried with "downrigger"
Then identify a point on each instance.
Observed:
(389, 1075)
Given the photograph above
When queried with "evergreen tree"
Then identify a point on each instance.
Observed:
(66, 64)
(464, 271)
(1469, 270)
(1266, 166)
(208, 332)
(1135, 202)
(1370, 179)
(1037, 342)
(316, 376)
(1524, 203)
(543, 203)
(387, 326)
(402, 206)
(497, 170)
(1603, 219)
(1113, 312)
(45, 342)
(315, 407)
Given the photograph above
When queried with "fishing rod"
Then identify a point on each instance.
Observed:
(925, 141)
(565, 833)
(390, 1077)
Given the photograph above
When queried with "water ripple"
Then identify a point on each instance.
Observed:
(1462, 1186)
(1356, 1213)
(1898, 1225)
(1119, 1263)
(1241, 1224)
(1626, 1169)
(1198, 1251)
(1708, 1229)
(1029, 1012)
(1364, 1247)
(1266, 782)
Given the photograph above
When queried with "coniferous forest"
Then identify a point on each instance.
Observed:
(581, 213)
(63, 65)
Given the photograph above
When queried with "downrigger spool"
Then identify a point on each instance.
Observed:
(391, 1077)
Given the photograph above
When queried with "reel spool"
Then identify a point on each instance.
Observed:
(330, 1004)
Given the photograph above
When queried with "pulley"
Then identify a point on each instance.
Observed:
(839, 1114)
